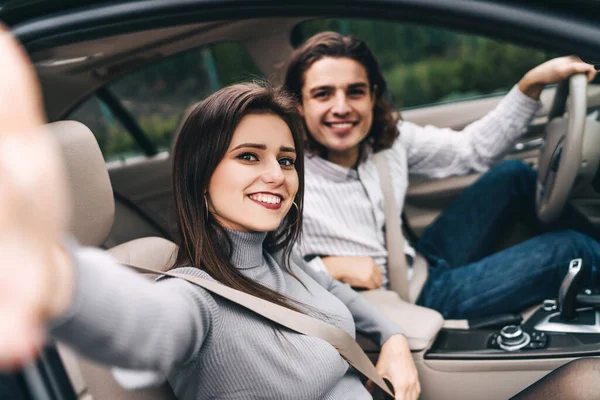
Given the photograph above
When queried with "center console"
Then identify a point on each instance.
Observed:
(566, 327)
(539, 337)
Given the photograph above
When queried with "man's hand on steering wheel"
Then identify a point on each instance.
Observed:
(553, 71)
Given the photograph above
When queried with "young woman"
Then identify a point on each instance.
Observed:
(342, 92)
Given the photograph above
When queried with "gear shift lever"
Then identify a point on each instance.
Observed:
(569, 288)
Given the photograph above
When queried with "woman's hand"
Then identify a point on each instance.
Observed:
(397, 366)
(553, 71)
(34, 270)
(359, 272)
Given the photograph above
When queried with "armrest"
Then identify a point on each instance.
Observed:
(421, 325)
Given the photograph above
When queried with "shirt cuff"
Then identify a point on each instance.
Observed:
(525, 100)
(387, 329)
(391, 331)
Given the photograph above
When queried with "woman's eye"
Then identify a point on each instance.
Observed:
(247, 157)
(286, 162)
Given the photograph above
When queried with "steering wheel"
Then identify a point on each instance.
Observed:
(560, 157)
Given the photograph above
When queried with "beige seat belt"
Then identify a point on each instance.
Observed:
(296, 321)
(394, 238)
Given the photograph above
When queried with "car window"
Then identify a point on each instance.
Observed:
(425, 65)
(114, 140)
(156, 97)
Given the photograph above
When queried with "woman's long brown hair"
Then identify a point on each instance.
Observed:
(202, 142)
(384, 130)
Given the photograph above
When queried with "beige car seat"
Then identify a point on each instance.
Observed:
(92, 219)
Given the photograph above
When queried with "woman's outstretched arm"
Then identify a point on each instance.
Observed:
(120, 318)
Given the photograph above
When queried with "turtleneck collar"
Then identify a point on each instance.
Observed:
(247, 248)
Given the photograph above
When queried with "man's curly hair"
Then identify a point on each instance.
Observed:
(384, 130)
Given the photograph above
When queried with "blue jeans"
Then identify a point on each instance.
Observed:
(467, 281)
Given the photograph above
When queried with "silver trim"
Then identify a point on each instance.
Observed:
(59, 62)
(514, 347)
(565, 327)
(518, 332)
(572, 271)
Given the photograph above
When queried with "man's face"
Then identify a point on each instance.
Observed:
(337, 104)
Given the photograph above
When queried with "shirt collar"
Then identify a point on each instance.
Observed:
(319, 166)
(328, 170)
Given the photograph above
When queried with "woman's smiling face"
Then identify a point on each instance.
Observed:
(254, 185)
(337, 105)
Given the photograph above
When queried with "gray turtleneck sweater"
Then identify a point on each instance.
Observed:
(208, 347)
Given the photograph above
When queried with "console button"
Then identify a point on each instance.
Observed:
(550, 305)
(533, 341)
(511, 331)
(512, 335)
(493, 341)
(513, 338)
(538, 336)
(535, 345)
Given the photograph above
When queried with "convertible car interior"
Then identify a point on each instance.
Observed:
(117, 152)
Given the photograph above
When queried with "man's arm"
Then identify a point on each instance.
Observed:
(439, 153)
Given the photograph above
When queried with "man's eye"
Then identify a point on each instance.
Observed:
(247, 157)
(286, 162)
(321, 95)
(356, 92)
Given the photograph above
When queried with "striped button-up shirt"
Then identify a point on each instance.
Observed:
(343, 207)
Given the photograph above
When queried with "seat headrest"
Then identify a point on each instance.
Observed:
(91, 192)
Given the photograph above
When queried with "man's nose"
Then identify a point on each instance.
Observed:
(340, 105)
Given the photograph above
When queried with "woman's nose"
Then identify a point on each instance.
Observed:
(273, 173)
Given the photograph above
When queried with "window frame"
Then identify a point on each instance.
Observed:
(128, 120)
